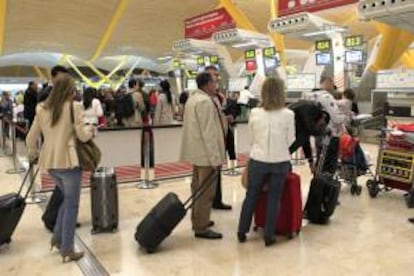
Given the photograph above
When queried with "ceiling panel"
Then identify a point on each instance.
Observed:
(68, 26)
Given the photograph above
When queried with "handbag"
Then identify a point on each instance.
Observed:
(89, 154)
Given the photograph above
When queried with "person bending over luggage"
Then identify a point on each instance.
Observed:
(58, 156)
(203, 146)
(310, 120)
(272, 131)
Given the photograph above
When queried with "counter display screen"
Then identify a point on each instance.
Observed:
(323, 59)
(353, 56)
(323, 45)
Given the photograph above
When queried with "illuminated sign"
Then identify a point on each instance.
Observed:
(177, 64)
(200, 61)
(354, 41)
(269, 52)
(251, 65)
(323, 45)
(214, 59)
(250, 54)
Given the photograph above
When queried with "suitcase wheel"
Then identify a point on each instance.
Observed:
(373, 188)
(256, 228)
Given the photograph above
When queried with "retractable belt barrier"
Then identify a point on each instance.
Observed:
(12, 135)
(147, 148)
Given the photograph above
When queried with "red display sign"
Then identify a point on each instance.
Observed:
(204, 25)
(287, 7)
(251, 65)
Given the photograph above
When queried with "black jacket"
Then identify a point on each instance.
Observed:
(307, 113)
(30, 102)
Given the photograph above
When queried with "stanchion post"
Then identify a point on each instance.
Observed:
(147, 183)
(15, 169)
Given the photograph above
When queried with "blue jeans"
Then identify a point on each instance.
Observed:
(260, 173)
(69, 183)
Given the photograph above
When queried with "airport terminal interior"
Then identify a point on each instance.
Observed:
(137, 71)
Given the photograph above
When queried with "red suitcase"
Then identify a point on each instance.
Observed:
(289, 221)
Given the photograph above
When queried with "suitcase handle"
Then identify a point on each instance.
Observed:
(31, 166)
(200, 190)
(321, 162)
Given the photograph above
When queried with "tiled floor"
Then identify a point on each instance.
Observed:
(365, 237)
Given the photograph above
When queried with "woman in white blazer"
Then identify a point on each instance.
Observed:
(272, 131)
(58, 156)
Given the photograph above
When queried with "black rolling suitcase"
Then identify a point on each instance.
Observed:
(52, 209)
(104, 200)
(165, 216)
(11, 209)
(323, 193)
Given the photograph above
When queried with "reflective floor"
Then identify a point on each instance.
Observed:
(365, 237)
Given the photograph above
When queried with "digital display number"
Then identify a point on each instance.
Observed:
(214, 59)
(177, 64)
(354, 41)
(250, 54)
(269, 52)
(323, 45)
(200, 61)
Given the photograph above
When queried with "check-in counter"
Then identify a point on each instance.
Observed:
(121, 146)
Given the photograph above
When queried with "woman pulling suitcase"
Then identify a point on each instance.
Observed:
(58, 156)
(272, 131)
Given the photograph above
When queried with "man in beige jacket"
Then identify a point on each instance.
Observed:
(203, 146)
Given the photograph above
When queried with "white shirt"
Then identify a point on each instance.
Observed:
(336, 124)
(271, 134)
(245, 96)
(92, 114)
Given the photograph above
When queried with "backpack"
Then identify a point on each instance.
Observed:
(125, 106)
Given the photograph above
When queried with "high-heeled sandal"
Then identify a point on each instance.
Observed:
(71, 256)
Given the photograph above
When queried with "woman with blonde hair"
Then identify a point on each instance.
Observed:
(58, 156)
(272, 131)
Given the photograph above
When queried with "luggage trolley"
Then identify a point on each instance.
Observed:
(395, 165)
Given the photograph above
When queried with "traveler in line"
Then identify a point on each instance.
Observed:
(272, 131)
(58, 156)
(92, 106)
(164, 110)
(218, 198)
(203, 146)
(30, 102)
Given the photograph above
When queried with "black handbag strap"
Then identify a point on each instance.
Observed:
(201, 189)
(32, 181)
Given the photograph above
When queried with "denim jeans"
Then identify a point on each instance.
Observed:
(260, 173)
(69, 183)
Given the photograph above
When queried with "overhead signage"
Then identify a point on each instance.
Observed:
(250, 54)
(354, 41)
(269, 52)
(323, 45)
(288, 7)
(204, 25)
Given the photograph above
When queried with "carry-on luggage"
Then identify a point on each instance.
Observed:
(11, 209)
(323, 193)
(165, 216)
(289, 220)
(104, 200)
(52, 209)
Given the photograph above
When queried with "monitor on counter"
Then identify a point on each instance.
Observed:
(323, 59)
(191, 85)
(354, 56)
